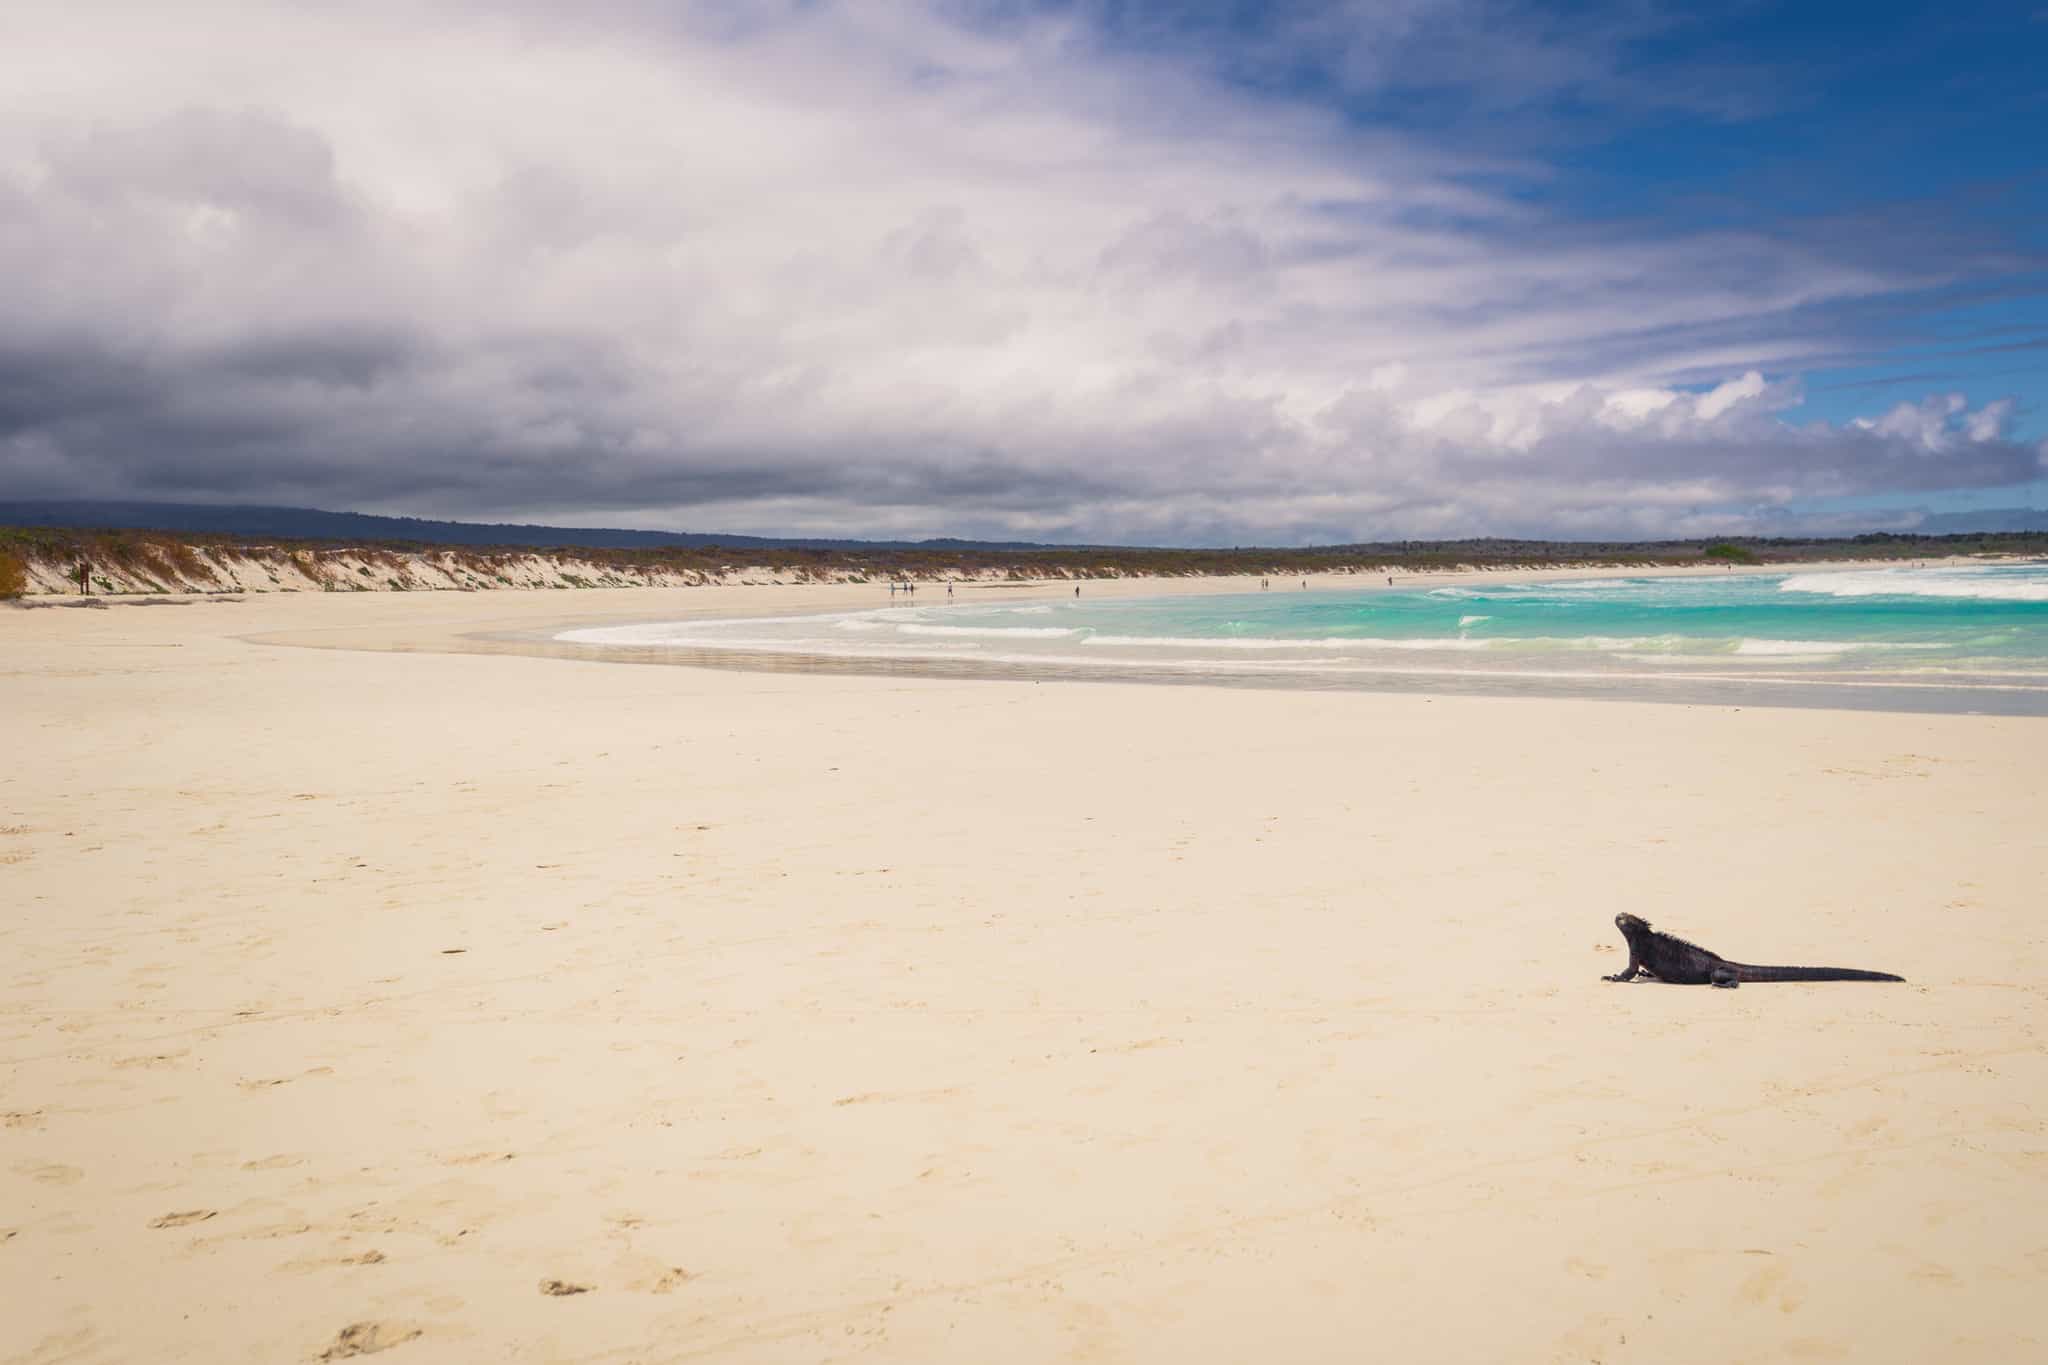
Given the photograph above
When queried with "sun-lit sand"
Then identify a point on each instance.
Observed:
(373, 997)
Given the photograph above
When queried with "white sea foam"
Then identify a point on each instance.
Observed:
(1789, 663)
(1268, 643)
(1981, 584)
(650, 636)
(1795, 649)
(1617, 644)
(865, 636)
(992, 632)
(1488, 594)
(1464, 621)
(689, 632)
(1511, 592)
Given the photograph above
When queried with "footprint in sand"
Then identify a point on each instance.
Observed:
(1142, 1045)
(477, 1158)
(272, 1231)
(179, 1220)
(50, 1173)
(274, 1163)
(368, 1338)
(563, 1288)
(1772, 1283)
(895, 1097)
(308, 1264)
(269, 1081)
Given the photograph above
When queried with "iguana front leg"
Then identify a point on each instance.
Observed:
(1627, 973)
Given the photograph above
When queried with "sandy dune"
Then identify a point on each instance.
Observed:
(499, 1008)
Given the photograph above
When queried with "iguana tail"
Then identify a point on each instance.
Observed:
(1745, 972)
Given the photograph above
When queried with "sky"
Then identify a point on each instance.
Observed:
(1281, 273)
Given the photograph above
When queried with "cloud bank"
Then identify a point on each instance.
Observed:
(887, 269)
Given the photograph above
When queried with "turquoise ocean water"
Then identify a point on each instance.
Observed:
(1972, 638)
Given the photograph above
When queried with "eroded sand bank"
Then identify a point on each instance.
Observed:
(808, 1017)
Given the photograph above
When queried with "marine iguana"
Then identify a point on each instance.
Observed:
(1687, 964)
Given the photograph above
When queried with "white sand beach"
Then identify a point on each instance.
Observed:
(477, 1007)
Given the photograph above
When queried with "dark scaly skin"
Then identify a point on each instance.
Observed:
(1651, 954)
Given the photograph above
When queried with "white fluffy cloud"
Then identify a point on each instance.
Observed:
(859, 269)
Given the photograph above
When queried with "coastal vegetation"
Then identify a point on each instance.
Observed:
(1732, 554)
(142, 560)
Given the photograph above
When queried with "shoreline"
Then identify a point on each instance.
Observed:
(1700, 685)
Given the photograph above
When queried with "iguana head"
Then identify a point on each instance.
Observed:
(1631, 924)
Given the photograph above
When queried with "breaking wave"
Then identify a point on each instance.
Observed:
(1983, 585)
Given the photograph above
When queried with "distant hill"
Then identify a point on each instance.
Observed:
(306, 523)
(1987, 519)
